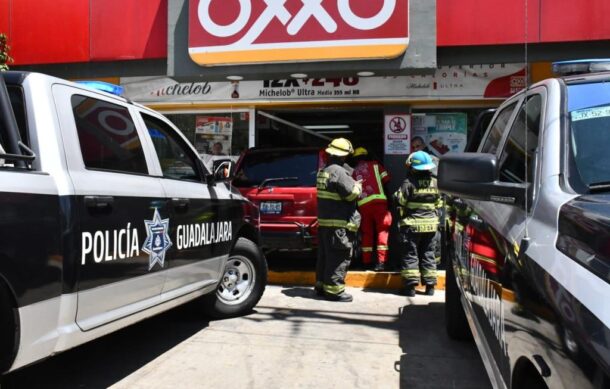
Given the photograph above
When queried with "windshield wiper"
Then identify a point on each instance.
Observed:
(268, 180)
(599, 186)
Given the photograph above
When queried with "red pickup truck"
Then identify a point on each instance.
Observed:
(282, 183)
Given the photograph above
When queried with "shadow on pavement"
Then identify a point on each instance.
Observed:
(304, 292)
(105, 361)
(430, 358)
(308, 292)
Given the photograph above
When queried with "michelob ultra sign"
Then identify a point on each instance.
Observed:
(228, 32)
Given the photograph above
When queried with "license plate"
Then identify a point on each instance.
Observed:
(271, 207)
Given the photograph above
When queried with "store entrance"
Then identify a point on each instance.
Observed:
(316, 127)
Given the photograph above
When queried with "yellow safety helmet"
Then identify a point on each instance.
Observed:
(360, 151)
(340, 147)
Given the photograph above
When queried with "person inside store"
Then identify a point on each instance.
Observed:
(338, 221)
(418, 202)
(373, 207)
(418, 144)
(217, 149)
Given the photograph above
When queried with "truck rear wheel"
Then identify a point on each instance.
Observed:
(242, 283)
(456, 323)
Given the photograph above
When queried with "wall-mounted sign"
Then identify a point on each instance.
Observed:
(249, 31)
(397, 134)
(448, 82)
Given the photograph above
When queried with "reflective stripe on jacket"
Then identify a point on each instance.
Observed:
(373, 176)
(337, 194)
(418, 200)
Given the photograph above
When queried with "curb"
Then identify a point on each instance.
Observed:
(357, 279)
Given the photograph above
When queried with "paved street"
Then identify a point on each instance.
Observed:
(382, 340)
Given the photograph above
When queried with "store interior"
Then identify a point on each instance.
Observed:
(314, 127)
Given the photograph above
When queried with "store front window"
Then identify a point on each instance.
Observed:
(316, 127)
(215, 135)
(440, 131)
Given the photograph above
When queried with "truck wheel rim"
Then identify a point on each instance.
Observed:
(237, 281)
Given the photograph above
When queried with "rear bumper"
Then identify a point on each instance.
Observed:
(288, 236)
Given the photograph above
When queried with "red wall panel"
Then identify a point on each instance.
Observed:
(49, 32)
(4, 17)
(484, 22)
(98, 30)
(567, 20)
(128, 29)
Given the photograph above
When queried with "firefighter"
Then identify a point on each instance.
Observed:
(418, 201)
(338, 220)
(373, 208)
(417, 144)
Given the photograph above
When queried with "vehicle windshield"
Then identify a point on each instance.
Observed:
(259, 166)
(589, 112)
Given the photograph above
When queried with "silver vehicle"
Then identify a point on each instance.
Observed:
(529, 240)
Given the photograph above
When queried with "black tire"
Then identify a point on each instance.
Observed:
(456, 323)
(533, 381)
(246, 266)
(7, 330)
(526, 375)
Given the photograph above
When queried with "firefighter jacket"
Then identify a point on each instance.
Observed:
(418, 201)
(373, 177)
(337, 195)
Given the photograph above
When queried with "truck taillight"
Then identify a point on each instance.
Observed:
(482, 248)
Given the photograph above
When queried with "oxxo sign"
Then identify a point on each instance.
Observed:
(225, 32)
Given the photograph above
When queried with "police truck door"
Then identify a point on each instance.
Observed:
(122, 215)
(201, 224)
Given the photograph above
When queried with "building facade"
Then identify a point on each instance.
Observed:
(247, 73)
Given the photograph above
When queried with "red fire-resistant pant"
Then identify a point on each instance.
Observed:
(375, 223)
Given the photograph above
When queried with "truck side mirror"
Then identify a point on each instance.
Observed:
(475, 176)
(223, 169)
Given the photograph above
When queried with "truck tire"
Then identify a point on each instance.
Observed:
(456, 323)
(242, 283)
(7, 330)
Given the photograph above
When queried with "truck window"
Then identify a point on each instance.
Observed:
(497, 130)
(18, 103)
(259, 166)
(589, 109)
(17, 100)
(525, 127)
(177, 161)
(108, 137)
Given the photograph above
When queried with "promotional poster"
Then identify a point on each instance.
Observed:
(213, 135)
(440, 132)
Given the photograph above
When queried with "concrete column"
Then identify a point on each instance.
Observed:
(395, 165)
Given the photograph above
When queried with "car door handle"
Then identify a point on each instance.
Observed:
(180, 203)
(98, 202)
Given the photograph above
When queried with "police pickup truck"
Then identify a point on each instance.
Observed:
(107, 217)
(529, 243)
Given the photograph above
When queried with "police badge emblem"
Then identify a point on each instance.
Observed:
(157, 240)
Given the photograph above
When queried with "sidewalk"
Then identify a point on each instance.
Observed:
(296, 340)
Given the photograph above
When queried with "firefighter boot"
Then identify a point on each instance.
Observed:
(429, 290)
(318, 289)
(341, 297)
(409, 290)
(379, 267)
